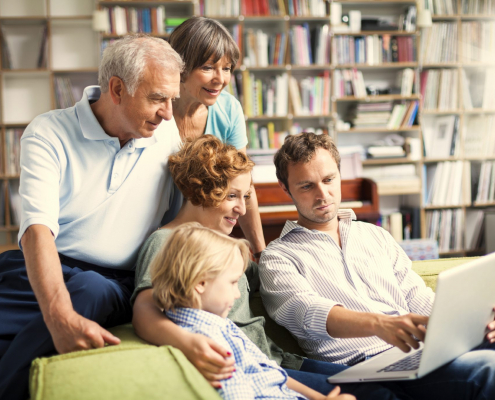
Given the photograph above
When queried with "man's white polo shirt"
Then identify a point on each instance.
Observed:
(101, 202)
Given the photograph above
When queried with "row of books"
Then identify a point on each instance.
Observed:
(402, 225)
(262, 7)
(264, 138)
(447, 183)
(442, 7)
(485, 7)
(309, 47)
(24, 47)
(350, 82)
(64, 96)
(13, 151)
(478, 88)
(268, 96)
(479, 136)
(123, 20)
(477, 41)
(236, 31)
(263, 49)
(446, 227)
(219, 8)
(441, 136)
(439, 43)
(308, 8)
(439, 88)
(311, 95)
(373, 49)
(484, 185)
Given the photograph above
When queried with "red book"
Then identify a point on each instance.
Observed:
(256, 7)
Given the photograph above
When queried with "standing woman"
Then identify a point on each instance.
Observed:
(210, 55)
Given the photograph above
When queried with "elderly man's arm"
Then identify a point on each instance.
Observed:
(70, 331)
(204, 353)
(292, 302)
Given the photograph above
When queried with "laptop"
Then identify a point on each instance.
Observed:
(463, 307)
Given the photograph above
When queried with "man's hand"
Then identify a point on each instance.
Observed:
(212, 360)
(335, 394)
(490, 336)
(399, 331)
(78, 333)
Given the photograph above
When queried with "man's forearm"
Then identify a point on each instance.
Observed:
(251, 225)
(345, 323)
(45, 273)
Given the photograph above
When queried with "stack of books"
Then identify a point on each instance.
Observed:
(214, 8)
(447, 227)
(311, 96)
(123, 20)
(303, 53)
(263, 49)
(447, 184)
(477, 41)
(264, 138)
(403, 115)
(267, 96)
(373, 49)
(439, 88)
(394, 179)
(479, 136)
(439, 43)
(441, 136)
(371, 115)
(262, 7)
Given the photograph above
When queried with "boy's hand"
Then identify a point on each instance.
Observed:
(335, 394)
(212, 360)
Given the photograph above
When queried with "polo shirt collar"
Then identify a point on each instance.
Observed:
(342, 214)
(91, 128)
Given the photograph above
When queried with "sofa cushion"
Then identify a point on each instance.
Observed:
(131, 370)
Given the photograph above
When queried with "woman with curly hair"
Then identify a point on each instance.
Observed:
(215, 180)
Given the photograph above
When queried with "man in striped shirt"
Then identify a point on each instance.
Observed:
(345, 289)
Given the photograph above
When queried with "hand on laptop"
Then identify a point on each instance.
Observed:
(490, 336)
(401, 331)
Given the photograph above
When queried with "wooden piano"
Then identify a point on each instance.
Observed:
(276, 207)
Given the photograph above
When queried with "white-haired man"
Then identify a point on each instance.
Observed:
(94, 184)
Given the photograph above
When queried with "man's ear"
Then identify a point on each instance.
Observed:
(200, 287)
(280, 183)
(116, 89)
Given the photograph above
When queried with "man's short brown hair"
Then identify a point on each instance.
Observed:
(204, 167)
(300, 149)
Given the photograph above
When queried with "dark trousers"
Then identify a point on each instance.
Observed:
(99, 294)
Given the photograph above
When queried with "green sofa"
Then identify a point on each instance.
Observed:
(135, 369)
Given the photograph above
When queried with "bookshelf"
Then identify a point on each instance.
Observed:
(41, 41)
(273, 58)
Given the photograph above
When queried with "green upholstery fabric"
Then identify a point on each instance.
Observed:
(126, 372)
(136, 370)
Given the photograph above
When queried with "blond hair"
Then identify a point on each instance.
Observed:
(191, 255)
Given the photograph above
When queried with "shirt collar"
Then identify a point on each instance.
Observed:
(90, 126)
(193, 316)
(342, 214)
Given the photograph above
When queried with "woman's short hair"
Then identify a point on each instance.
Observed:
(300, 149)
(204, 167)
(191, 255)
(128, 57)
(198, 39)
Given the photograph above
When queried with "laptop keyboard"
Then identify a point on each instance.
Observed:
(409, 363)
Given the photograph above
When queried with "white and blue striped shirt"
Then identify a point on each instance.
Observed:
(255, 376)
(304, 273)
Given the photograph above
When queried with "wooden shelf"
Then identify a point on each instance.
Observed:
(386, 161)
(74, 71)
(442, 65)
(436, 160)
(329, 116)
(382, 129)
(440, 112)
(308, 67)
(383, 97)
(482, 205)
(443, 207)
(487, 158)
(138, 2)
(479, 111)
(264, 118)
(451, 252)
(267, 68)
(368, 33)
(378, 66)
(114, 36)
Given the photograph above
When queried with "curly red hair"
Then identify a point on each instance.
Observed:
(204, 167)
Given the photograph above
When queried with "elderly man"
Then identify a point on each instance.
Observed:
(94, 185)
(345, 289)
